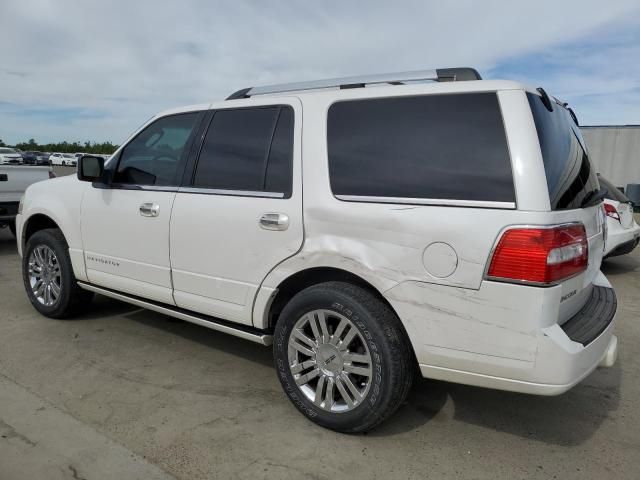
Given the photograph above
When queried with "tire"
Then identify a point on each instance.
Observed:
(70, 298)
(379, 349)
(12, 227)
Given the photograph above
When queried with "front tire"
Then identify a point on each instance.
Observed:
(342, 357)
(48, 276)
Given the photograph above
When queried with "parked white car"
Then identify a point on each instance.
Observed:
(14, 180)
(9, 156)
(63, 159)
(623, 233)
(454, 226)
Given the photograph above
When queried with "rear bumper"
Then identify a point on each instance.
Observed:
(624, 248)
(621, 241)
(505, 336)
(608, 359)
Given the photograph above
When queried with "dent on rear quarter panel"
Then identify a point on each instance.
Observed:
(385, 243)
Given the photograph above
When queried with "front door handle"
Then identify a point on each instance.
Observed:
(149, 209)
(274, 221)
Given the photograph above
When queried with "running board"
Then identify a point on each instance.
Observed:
(241, 331)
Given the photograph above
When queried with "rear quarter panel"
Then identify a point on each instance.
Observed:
(387, 244)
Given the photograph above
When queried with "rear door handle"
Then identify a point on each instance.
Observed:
(149, 209)
(274, 221)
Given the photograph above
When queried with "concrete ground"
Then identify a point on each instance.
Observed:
(126, 393)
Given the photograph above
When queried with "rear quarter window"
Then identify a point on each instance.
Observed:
(450, 147)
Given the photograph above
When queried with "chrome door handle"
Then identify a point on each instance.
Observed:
(274, 221)
(149, 209)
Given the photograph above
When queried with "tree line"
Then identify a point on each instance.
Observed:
(65, 147)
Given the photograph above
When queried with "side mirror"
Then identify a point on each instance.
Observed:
(90, 168)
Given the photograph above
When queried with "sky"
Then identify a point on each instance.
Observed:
(95, 70)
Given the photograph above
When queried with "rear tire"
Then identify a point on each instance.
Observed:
(342, 357)
(48, 276)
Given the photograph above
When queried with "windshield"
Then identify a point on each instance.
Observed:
(613, 192)
(7, 150)
(67, 155)
(571, 179)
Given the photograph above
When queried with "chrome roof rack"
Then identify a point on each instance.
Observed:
(436, 75)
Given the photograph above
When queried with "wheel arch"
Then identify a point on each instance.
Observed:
(298, 281)
(35, 223)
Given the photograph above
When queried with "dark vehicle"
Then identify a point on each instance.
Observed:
(35, 158)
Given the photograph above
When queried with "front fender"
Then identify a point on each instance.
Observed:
(60, 200)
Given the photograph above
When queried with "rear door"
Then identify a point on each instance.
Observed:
(239, 212)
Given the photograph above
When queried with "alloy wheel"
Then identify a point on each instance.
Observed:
(45, 277)
(330, 361)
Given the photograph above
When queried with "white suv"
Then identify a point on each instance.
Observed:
(453, 226)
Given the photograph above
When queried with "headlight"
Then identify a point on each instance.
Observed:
(20, 205)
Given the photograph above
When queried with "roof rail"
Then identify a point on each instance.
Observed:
(437, 75)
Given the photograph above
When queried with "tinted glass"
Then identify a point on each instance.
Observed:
(571, 180)
(247, 149)
(613, 192)
(437, 146)
(157, 154)
(279, 168)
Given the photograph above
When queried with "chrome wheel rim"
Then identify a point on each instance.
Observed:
(44, 275)
(330, 361)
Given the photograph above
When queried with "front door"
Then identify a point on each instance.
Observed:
(125, 226)
(241, 212)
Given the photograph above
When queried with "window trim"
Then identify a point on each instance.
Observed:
(231, 193)
(110, 184)
(188, 185)
(444, 202)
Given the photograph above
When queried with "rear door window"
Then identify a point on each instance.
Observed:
(248, 149)
(450, 147)
(571, 179)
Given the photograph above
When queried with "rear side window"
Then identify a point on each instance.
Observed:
(571, 180)
(449, 147)
(248, 149)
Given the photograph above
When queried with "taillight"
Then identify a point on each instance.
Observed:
(540, 255)
(611, 211)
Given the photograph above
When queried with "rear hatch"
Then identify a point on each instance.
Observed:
(574, 192)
